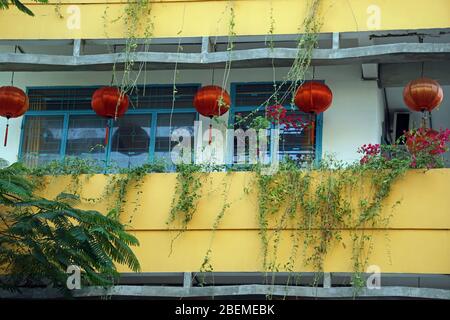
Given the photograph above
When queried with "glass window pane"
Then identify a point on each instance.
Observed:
(245, 125)
(130, 141)
(297, 143)
(259, 93)
(165, 127)
(60, 98)
(86, 137)
(161, 97)
(150, 97)
(42, 139)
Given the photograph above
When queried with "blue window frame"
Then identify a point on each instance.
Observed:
(61, 123)
(247, 97)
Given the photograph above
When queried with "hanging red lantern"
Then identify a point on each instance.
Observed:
(313, 97)
(109, 102)
(212, 101)
(423, 94)
(13, 103)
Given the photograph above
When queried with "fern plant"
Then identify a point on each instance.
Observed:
(40, 238)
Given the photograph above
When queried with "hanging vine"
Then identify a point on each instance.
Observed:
(306, 42)
(310, 207)
(318, 204)
(138, 24)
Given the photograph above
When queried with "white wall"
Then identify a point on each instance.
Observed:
(356, 115)
(440, 116)
(354, 118)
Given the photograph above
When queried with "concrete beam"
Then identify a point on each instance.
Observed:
(398, 75)
(336, 40)
(327, 280)
(388, 53)
(238, 290)
(76, 47)
(187, 280)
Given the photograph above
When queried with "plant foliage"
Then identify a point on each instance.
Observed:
(40, 238)
(4, 4)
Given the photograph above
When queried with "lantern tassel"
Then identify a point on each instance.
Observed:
(424, 119)
(106, 135)
(312, 133)
(210, 133)
(6, 135)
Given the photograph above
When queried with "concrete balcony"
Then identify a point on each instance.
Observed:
(416, 240)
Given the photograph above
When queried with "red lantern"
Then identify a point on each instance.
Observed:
(109, 102)
(423, 94)
(13, 103)
(212, 101)
(313, 97)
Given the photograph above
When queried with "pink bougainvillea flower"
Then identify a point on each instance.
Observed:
(369, 151)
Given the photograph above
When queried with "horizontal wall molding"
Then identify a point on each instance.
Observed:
(259, 57)
(227, 291)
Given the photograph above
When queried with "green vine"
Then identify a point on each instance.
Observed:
(137, 20)
(312, 205)
(120, 180)
(185, 200)
(317, 204)
(58, 10)
(207, 266)
(306, 42)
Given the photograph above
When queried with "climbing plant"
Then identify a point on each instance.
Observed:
(138, 30)
(187, 194)
(80, 170)
(306, 42)
(138, 25)
(310, 206)
(317, 204)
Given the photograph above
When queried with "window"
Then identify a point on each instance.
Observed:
(131, 140)
(61, 123)
(166, 124)
(295, 143)
(85, 138)
(41, 141)
(245, 125)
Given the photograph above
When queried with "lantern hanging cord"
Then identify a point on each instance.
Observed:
(424, 119)
(431, 119)
(12, 74)
(421, 73)
(114, 68)
(107, 133)
(213, 69)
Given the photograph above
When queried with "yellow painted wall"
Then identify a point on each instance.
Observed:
(417, 239)
(211, 17)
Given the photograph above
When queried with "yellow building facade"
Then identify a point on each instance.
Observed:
(366, 52)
